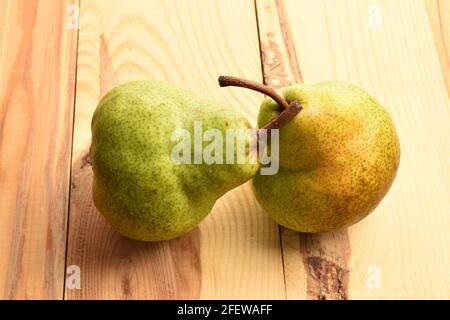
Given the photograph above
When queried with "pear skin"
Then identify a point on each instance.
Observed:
(137, 186)
(338, 158)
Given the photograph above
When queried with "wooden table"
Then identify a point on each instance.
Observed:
(53, 73)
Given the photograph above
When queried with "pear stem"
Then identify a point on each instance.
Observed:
(285, 116)
(226, 81)
(289, 110)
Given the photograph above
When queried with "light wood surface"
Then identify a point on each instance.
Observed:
(396, 49)
(37, 76)
(439, 15)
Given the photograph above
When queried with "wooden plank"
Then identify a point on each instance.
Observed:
(402, 249)
(439, 15)
(235, 253)
(279, 58)
(37, 72)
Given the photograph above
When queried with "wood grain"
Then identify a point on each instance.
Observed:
(439, 15)
(235, 252)
(37, 72)
(396, 49)
(280, 62)
(402, 249)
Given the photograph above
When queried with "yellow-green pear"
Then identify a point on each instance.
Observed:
(338, 158)
(141, 133)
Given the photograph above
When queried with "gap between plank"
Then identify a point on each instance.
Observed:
(71, 149)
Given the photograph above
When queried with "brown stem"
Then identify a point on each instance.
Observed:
(289, 110)
(285, 116)
(225, 81)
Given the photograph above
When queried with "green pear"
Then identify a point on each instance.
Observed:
(138, 187)
(338, 158)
